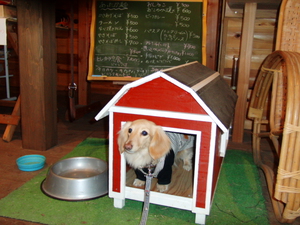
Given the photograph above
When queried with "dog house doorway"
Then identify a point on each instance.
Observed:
(207, 153)
(182, 182)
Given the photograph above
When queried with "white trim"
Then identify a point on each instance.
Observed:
(211, 160)
(160, 113)
(113, 194)
(209, 112)
(200, 219)
(163, 199)
(159, 198)
(210, 171)
(181, 66)
(196, 169)
(182, 131)
(197, 99)
(110, 159)
(184, 203)
(124, 89)
(224, 143)
(204, 82)
(173, 200)
(104, 111)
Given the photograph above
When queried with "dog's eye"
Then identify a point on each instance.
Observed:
(144, 133)
(129, 130)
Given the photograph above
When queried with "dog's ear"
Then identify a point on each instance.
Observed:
(160, 144)
(123, 135)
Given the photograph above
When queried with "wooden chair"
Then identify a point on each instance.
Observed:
(12, 120)
(278, 85)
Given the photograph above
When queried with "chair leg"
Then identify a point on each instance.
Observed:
(10, 128)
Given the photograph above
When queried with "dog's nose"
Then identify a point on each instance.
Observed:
(128, 147)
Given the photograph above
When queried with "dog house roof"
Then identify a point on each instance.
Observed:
(206, 87)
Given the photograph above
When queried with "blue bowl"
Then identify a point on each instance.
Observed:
(31, 162)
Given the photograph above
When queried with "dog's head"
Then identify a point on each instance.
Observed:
(144, 134)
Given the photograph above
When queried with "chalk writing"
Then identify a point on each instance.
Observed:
(138, 38)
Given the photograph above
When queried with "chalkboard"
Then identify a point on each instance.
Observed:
(132, 39)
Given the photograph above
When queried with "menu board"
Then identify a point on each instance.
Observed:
(132, 39)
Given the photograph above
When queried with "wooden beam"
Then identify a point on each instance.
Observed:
(13, 40)
(37, 58)
(7, 103)
(9, 119)
(223, 44)
(83, 51)
(212, 36)
(267, 13)
(261, 4)
(244, 71)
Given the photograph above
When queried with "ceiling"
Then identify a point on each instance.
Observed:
(261, 4)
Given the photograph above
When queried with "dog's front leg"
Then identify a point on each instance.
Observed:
(165, 175)
(140, 178)
(138, 183)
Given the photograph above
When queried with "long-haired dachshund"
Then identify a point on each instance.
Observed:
(144, 143)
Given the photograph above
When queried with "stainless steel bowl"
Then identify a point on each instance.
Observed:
(77, 178)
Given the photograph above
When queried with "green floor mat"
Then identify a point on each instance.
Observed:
(238, 198)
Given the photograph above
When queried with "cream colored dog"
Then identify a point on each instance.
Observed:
(144, 143)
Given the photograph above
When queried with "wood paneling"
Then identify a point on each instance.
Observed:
(213, 33)
(263, 42)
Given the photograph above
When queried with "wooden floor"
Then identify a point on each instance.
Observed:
(182, 187)
(71, 134)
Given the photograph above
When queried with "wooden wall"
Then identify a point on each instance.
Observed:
(263, 42)
(264, 39)
(63, 56)
(230, 41)
(98, 87)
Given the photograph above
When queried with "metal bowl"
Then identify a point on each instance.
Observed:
(77, 178)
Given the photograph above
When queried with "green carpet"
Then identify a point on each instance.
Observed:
(238, 199)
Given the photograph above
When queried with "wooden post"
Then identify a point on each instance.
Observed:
(244, 71)
(83, 51)
(212, 35)
(37, 57)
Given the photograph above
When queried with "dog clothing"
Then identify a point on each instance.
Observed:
(180, 142)
(163, 169)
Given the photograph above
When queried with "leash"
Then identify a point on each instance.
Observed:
(149, 177)
(72, 86)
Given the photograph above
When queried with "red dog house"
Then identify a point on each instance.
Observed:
(190, 99)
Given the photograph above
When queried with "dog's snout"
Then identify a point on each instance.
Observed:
(128, 146)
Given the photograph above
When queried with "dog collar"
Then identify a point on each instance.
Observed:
(156, 166)
(151, 170)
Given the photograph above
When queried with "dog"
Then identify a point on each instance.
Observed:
(144, 143)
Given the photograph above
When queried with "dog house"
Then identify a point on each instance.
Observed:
(190, 99)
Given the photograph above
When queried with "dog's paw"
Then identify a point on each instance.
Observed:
(162, 187)
(187, 167)
(138, 183)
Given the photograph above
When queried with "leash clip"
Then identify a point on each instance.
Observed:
(150, 167)
(72, 88)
